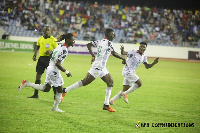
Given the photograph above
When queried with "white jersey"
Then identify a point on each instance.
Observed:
(104, 48)
(59, 53)
(53, 76)
(134, 59)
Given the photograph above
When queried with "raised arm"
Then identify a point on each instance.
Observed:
(147, 66)
(122, 50)
(89, 46)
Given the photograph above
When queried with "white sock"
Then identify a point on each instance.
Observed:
(108, 93)
(57, 100)
(131, 89)
(74, 86)
(36, 86)
(118, 96)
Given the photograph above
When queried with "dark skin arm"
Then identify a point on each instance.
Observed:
(122, 50)
(123, 53)
(35, 52)
(48, 52)
(115, 54)
(58, 64)
(147, 66)
(89, 46)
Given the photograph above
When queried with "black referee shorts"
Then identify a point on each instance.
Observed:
(42, 64)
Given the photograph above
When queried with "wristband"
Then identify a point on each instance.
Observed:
(67, 72)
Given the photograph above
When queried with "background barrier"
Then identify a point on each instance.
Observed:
(151, 51)
(16, 45)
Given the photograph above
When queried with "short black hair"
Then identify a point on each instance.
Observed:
(108, 30)
(144, 43)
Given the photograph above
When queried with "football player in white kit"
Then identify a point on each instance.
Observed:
(53, 76)
(131, 80)
(104, 49)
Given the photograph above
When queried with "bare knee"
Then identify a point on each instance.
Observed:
(88, 79)
(110, 84)
(84, 82)
(47, 88)
(59, 89)
(139, 83)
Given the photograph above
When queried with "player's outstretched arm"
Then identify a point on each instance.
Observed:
(58, 64)
(115, 54)
(150, 65)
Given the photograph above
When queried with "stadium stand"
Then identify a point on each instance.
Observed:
(87, 21)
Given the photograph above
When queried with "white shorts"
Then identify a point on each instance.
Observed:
(95, 72)
(129, 79)
(53, 77)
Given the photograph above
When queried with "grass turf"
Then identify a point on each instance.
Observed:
(169, 94)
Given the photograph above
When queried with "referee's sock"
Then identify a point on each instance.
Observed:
(36, 91)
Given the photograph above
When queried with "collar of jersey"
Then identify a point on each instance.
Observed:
(139, 53)
(65, 45)
(47, 37)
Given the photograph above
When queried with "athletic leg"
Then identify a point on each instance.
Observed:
(54, 91)
(37, 81)
(44, 88)
(40, 68)
(119, 95)
(87, 80)
(137, 84)
(57, 99)
(109, 81)
(126, 86)
(133, 81)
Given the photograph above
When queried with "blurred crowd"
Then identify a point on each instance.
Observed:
(87, 21)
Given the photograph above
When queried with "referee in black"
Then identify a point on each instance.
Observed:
(45, 45)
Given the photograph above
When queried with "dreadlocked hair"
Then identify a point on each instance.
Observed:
(64, 36)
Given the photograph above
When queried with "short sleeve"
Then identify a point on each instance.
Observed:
(130, 54)
(54, 42)
(94, 43)
(110, 46)
(63, 54)
(38, 42)
(145, 59)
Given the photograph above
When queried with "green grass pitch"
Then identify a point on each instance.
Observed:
(170, 94)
